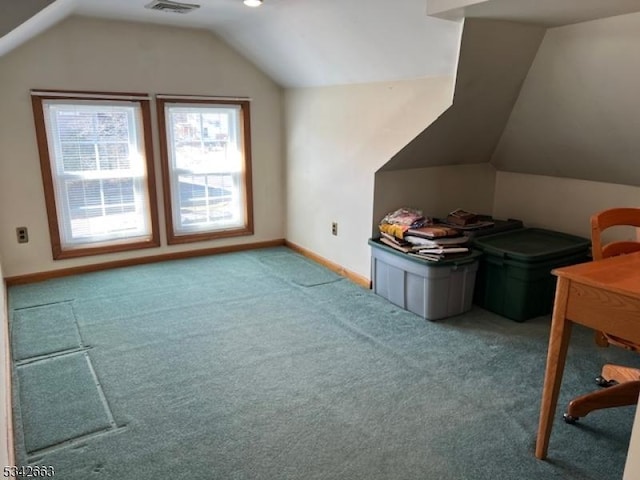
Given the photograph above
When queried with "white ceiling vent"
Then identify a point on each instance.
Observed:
(171, 7)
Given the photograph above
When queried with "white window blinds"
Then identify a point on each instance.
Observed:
(96, 150)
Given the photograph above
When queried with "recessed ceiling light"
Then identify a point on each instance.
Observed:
(253, 3)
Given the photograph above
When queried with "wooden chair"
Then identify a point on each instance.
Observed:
(622, 384)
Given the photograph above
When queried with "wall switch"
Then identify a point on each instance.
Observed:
(334, 228)
(23, 234)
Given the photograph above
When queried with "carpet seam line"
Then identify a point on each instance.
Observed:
(18, 309)
(31, 456)
(75, 323)
(49, 356)
(103, 397)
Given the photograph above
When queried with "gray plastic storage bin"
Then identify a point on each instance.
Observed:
(433, 290)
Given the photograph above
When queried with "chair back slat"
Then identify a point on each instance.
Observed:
(619, 248)
(611, 218)
(599, 223)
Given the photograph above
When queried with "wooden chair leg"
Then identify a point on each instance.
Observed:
(617, 396)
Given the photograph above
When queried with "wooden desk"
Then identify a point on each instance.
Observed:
(603, 295)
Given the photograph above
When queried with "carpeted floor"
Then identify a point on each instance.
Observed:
(264, 365)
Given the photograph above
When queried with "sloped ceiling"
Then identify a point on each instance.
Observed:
(495, 57)
(299, 43)
(306, 43)
(548, 13)
(16, 12)
(578, 113)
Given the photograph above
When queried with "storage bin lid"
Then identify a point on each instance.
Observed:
(470, 257)
(532, 244)
(499, 226)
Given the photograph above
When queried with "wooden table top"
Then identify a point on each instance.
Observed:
(619, 274)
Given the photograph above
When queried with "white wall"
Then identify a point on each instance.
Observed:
(337, 138)
(561, 204)
(435, 190)
(99, 55)
(6, 432)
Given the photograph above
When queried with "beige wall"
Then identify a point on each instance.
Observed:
(89, 54)
(577, 113)
(337, 138)
(562, 204)
(6, 441)
(632, 466)
(435, 190)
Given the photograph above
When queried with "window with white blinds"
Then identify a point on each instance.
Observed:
(96, 172)
(205, 145)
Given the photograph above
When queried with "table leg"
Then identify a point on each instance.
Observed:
(556, 356)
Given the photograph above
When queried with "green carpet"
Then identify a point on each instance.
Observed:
(43, 330)
(237, 366)
(59, 401)
(298, 270)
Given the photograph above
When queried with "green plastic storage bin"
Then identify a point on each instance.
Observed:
(514, 275)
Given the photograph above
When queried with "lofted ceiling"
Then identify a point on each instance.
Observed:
(299, 43)
(305, 43)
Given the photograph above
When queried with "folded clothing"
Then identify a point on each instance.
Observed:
(404, 216)
(396, 231)
(396, 223)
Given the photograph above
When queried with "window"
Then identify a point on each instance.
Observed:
(206, 165)
(97, 169)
